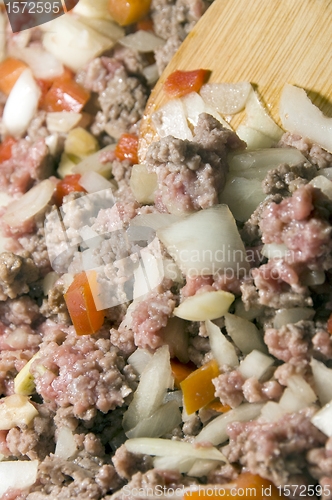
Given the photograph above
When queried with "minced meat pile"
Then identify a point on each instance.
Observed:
(71, 402)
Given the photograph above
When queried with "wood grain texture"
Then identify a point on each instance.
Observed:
(266, 42)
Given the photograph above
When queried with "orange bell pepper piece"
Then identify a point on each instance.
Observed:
(81, 305)
(180, 371)
(10, 71)
(198, 389)
(65, 95)
(181, 83)
(127, 12)
(216, 405)
(127, 148)
(67, 185)
(6, 148)
(145, 24)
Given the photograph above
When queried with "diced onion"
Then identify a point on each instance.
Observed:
(44, 66)
(166, 447)
(151, 74)
(291, 315)
(170, 119)
(274, 250)
(215, 432)
(29, 204)
(312, 278)
(205, 243)
(255, 139)
(19, 474)
(164, 420)
(176, 336)
(62, 121)
(21, 104)
(227, 98)
(151, 390)
(244, 334)
(298, 114)
(154, 220)
(272, 411)
(242, 196)
(142, 41)
(194, 105)
(259, 119)
(143, 184)
(92, 162)
(223, 351)
(202, 468)
(323, 419)
(139, 359)
(327, 172)
(94, 182)
(322, 381)
(322, 183)
(66, 446)
(297, 395)
(16, 411)
(98, 9)
(241, 311)
(74, 43)
(49, 281)
(255, 364)
(204, 306)
(105, 27)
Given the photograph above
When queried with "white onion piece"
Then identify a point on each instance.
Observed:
(178, 463)
(151, 74)
(206, 242)
(66, 446)
(312, 278)
(92, 163)
(49, 281)
(272, 411)
(194, 105)
(291, 315)
(256, 164)
(21, 104)
(163, 421)
(16, 411)
(242, 196)
(166, 447)
(323, 419)
(175, 396)
(43, 64)
(154, 221)
(322, 380)
(327, 172)
(204, 306)
(170, 119)
(19, 474)
(215, 431)
(241, 311)
(298, 114)
(259, 119)
(322, 183)
(244, 334)
(142, 41)
(5, 199)
(98, 9)
(255, 365)
(176, 336)
(222, 349)
(105, 27)
(74, 43)
(227, 98)
(94, 182)
(29, 204)
(143, 184)
(274, 250)
(255, 139)
(202, 468)
(139, 359)
(151, 390)
(297, 395)
(62, 121)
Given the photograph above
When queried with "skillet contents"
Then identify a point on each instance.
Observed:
(165, 325)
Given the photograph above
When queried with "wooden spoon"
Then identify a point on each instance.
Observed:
(266, 42)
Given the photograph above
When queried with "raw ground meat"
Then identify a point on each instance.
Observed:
(313, 152)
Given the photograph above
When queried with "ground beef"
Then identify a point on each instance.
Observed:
(191, 175)
(127, 464)
(151, 315)
(164, 53)
(251, 232)
(274, 450)
(85, 372)
(291, 341)
(320, 466)
(322, 344)
(316, 155)
(286, 179)
(54, 306)
(121, 171)
(122, 104)
(16, 273)
(30, 162)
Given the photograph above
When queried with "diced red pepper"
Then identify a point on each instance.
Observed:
(81, 305)
(67, 185)
(180, 371)
(145, 24)
(127, 148)
(6, 148)
(65, 95)
(10, 71)
(127, 12)
(181, 83)
(198, 389)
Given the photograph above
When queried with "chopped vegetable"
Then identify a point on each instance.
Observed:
(6, 148)
(244, 334)
(227, 98)
(142, 41)
(66, 446)
(204, 306)
(24, 382)
(16, 411)
(198, 389)
(143, 184)
(216, 405)
(67, 185)
(145, 24)
(329, 324)
(181, 83)
(127, 12)
(10, 71)
(81, 143)
(323, 419)
(322, 381)
(17, 475)
(65, 95)
(81, 305)
(180, 371)
(164, 420)
(126, 148)
(222, 349)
